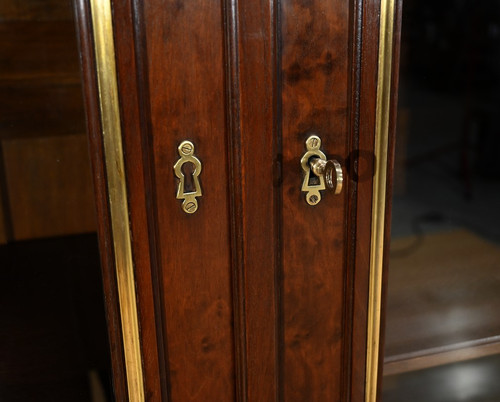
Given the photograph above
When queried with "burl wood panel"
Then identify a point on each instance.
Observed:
(315, 41)
(185, 53)
(49, 186)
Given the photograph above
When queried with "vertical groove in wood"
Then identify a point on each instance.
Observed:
(364, 170)
(355, 44)
(150, 185)
(134, 95)
(235, 189)
(142, 88)
(278, 205)
(260, 171)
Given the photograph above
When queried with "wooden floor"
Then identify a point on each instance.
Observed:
(443, 297)
(470, 381)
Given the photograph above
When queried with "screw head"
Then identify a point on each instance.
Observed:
(313, 199)
(313, 143)
(186, 148)
(190, 207)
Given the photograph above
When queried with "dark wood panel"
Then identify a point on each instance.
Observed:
(48, 179)
(25, 10)
(252, 55)
(315, 100)
(38, 50)
(257, 296)
(131, 56)
(187, 101)
(41, 110)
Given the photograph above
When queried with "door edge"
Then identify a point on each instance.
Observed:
(102, 30)
(379, 196)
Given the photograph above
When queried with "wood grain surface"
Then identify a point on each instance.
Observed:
(314, 100)
(252, 54)
(187, 101)
(257, 296)
(133, 100)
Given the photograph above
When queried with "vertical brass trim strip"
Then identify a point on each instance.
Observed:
(387, 8)
(113, 153)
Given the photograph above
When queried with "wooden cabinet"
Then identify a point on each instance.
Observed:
(43, 145)
(257, 296)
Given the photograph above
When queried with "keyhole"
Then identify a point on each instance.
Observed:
(188, 170)
(313, 179)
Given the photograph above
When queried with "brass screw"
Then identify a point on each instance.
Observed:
(190, 207)
(187, 149)
(313, 199)
(313, 142)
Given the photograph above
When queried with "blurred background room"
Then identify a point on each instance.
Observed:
(53, 339)
(443, 321)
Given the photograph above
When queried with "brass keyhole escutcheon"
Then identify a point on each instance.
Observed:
(328, 173)
(186, 153)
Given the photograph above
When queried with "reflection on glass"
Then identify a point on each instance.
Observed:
(444, 270)
(53, 344)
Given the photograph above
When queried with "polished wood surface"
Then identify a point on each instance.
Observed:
(257, 296)
(186, 101)
(254, 150)
(133, 100)
(314, 100)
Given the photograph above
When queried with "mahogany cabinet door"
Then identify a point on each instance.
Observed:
(256, 295)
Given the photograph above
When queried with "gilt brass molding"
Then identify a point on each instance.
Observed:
(387, 10)
(117, 192)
